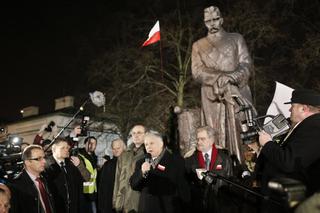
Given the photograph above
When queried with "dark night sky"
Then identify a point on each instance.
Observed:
(43, 49)
(38, 50)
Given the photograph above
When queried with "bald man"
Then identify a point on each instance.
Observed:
(160, 178)
(107, 177)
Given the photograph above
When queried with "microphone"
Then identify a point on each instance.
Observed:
(210, 177)
(246, 174)
(247, 178)
(147, 158)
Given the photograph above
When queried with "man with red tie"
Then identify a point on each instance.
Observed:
(205, 197)
(29, 190)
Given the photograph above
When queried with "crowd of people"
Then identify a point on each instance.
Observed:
(147, 177)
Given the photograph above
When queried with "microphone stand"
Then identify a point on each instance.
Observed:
(245, 188)
(70, 121)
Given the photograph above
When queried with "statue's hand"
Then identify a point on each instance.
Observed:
(224, 80)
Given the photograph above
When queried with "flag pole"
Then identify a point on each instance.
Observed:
(161, 59)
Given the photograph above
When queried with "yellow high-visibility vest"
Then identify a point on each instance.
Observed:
(90, 186)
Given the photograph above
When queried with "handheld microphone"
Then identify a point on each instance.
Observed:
(147, 158)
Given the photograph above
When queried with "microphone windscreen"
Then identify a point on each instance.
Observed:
(147, 156)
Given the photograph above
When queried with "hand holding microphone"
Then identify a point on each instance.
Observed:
(146, 166)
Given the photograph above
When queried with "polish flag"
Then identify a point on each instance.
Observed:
(154, 35)
(161, 168)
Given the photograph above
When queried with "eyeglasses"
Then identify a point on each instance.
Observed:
(37, 159)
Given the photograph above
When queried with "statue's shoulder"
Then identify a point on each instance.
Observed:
(235, 36)
(200, 41)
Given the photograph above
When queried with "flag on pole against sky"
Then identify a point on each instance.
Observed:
(154, 35)
(281, 95)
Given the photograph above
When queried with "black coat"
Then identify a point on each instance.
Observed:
(299, 158)
(165, 189)
(209, 197)
(25, 196)
(106, 185)
(67, 189)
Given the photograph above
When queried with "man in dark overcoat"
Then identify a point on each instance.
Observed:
(64, 179)
(297, 156)
(160, 178)
(26, 189)
(208, 197)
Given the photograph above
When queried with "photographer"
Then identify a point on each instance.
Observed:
(297, 156)
(45, 134)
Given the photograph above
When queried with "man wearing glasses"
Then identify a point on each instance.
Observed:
(124, 198)
(29, 190)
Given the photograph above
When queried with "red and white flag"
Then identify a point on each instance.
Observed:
(161, 168)
(154, 35)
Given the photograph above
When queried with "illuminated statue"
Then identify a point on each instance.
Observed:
(222, 64)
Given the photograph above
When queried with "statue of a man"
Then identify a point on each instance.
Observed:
(222, 64)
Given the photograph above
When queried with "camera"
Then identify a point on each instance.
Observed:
(74, 151)
(50, 126)
(10, 156)
(84, 126)
(250, 127)
(276, 127)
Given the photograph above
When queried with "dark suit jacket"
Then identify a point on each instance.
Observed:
(165, 189)
(106, 185)
(25, 196)
(299, 158)
(66, 189)
(204, 196)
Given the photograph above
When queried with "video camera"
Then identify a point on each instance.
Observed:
(276, 127)
(50, 126)
(10, 156)
(84, 126)
(250, 128)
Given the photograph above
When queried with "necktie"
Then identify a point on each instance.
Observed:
(44, 195)
(207, 161)
(63, 166)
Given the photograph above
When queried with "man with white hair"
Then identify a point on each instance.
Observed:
(160, 178)
(207, 197)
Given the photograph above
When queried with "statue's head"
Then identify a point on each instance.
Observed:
(213, 19)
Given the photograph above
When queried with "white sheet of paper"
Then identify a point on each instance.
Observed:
(281, 95)
(199, 172)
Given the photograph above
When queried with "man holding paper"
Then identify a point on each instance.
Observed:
(207, 157)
